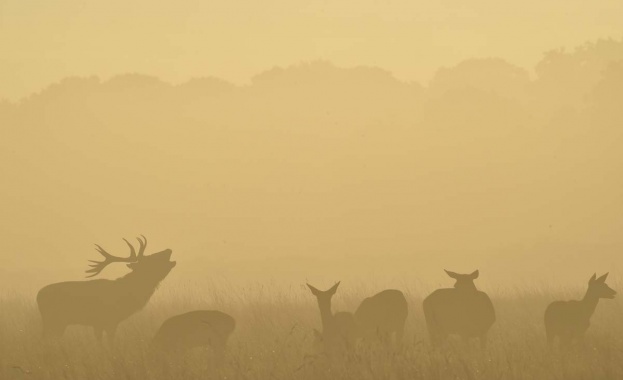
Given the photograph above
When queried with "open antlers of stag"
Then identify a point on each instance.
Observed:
(98, 266)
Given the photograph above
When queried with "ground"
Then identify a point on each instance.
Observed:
(274, 340)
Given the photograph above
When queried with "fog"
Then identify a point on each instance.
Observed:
(41, 42)
(336, 142)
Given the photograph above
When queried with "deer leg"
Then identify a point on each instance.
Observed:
(581, 341)
(388, 336)
(437, 338)
(218, 347)
(483, 341)
(581, 338)
(550, 339)
(564, 340)
(110, 333)
(99, 333)
(400, 332)
(465, 340)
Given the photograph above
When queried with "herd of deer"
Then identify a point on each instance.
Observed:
(462, 310)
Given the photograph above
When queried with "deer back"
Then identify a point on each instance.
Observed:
(194, 329)
(469, 313)
(385, 311)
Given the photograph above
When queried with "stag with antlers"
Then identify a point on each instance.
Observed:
(103, 304)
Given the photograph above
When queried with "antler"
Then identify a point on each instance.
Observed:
(141, 246)
(98, 266)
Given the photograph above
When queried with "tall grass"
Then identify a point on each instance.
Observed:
(273, 340)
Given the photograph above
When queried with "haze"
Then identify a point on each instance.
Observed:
(316, 140)
(42, 41)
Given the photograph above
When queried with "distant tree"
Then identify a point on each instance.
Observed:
(567, 78)
(490, 74)
(608, 92)
(135, 81)
(5, 108)
(205, 86)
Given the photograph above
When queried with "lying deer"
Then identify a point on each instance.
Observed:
(199, 328)
(569, 320)
(462, 310)
(103, 304)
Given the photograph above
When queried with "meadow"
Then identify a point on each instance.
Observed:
(274, 339)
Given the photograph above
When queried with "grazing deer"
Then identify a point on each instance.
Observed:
(382, 315)
(339, 330)
(200, 328)
(462, 310)
(103, 304)
(569, 320)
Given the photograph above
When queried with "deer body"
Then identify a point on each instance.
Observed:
(341, 331)
(462, 310)
(382, 315)
(199, 328)
(569, 320)
(103, 304)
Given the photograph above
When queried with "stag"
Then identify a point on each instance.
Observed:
(569, 320)
(103, 304)
(462, 310)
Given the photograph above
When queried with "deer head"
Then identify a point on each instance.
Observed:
(598, 288)
(158, 262)
(324, 297)
(464, 281)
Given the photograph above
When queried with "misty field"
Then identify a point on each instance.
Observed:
(274, 340)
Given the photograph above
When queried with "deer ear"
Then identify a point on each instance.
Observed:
(313, 290)
(451, 274)
(602, 278)
(474, 275)
(334, 288)
(592, 278)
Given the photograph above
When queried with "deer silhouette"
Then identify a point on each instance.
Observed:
(569, 320)
(339, 330)
(199, 328)
(462, 310)
(103, 304)
(382, 315)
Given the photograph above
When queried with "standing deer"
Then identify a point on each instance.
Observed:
(382, 315)
(103, 304)
(462, 310)
(199, 328)
(339, 330)
(569, 320)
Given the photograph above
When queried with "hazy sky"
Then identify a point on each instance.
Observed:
(44, 41)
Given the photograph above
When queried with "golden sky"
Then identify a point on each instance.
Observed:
(321, 168)
(44, 41)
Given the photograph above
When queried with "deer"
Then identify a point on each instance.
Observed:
(199, 328)
(339, 330)
(100, 303)
(462, 310)
(383, 315)
(569, 320)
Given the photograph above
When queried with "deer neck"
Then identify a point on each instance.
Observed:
(467, 292)
(325, 313)
(589, 304)
(139, 287)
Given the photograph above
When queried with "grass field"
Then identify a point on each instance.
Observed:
(273, 340)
